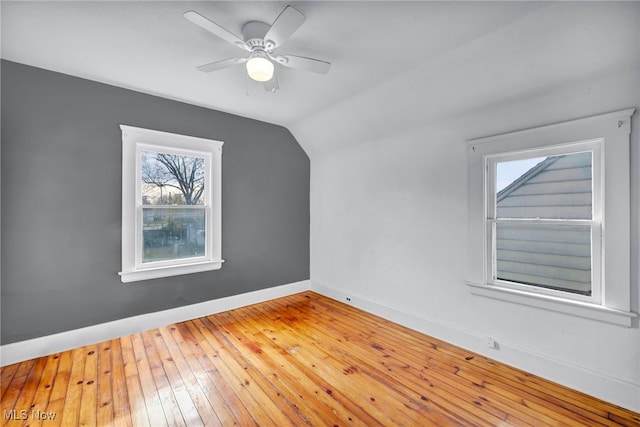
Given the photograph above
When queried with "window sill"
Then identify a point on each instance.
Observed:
(575, 308)
(168, 271)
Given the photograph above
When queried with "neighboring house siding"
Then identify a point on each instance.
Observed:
(558, 187)
(552, 256)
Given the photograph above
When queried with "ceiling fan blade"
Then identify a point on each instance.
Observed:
(219, 65)
(302, 63)
(271, 85)
(289, 20)
(215, 29)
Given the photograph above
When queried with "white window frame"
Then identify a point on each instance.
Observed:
(136, 140)
(595, 223)
(607, 135)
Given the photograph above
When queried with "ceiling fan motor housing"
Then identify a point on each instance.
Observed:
(253, 33)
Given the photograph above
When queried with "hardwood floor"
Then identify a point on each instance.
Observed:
(299, 360)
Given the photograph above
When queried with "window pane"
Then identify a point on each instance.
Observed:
(170, 233)
(555, 187)
(547, 256)
(171, 179)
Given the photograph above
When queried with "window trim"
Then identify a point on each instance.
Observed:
(134, 141)
(614, 129)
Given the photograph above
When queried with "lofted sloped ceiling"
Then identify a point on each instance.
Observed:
(394, 64)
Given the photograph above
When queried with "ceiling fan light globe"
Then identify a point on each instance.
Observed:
(260, 69)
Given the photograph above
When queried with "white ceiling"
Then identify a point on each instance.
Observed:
(430, 57)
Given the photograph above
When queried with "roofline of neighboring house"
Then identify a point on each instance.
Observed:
(526, 177)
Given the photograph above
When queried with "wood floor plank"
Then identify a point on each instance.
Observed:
(8, 372)
(89, 399)
(202, 405)
(186, 404)
(104, 414)
(15, 389)
(121, 408)
(30, 387)
(303, 359)
(170, 407)
(198, 373)
(71, 408)
(149, 390)
(43, 393)
(59, 389)
(139, 411)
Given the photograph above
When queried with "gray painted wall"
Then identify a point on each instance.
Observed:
(61, 203)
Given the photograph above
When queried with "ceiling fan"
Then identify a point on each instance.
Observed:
(261, 40)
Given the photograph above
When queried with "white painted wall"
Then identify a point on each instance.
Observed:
(389, 188)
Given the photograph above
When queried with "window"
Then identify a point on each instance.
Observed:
(544, 221)
(171, 204)
(549, 217)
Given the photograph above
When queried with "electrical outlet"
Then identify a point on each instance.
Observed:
(348, 299)
(491, 343)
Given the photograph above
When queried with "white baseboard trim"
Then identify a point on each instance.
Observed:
(614, 390)
(42, 346)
